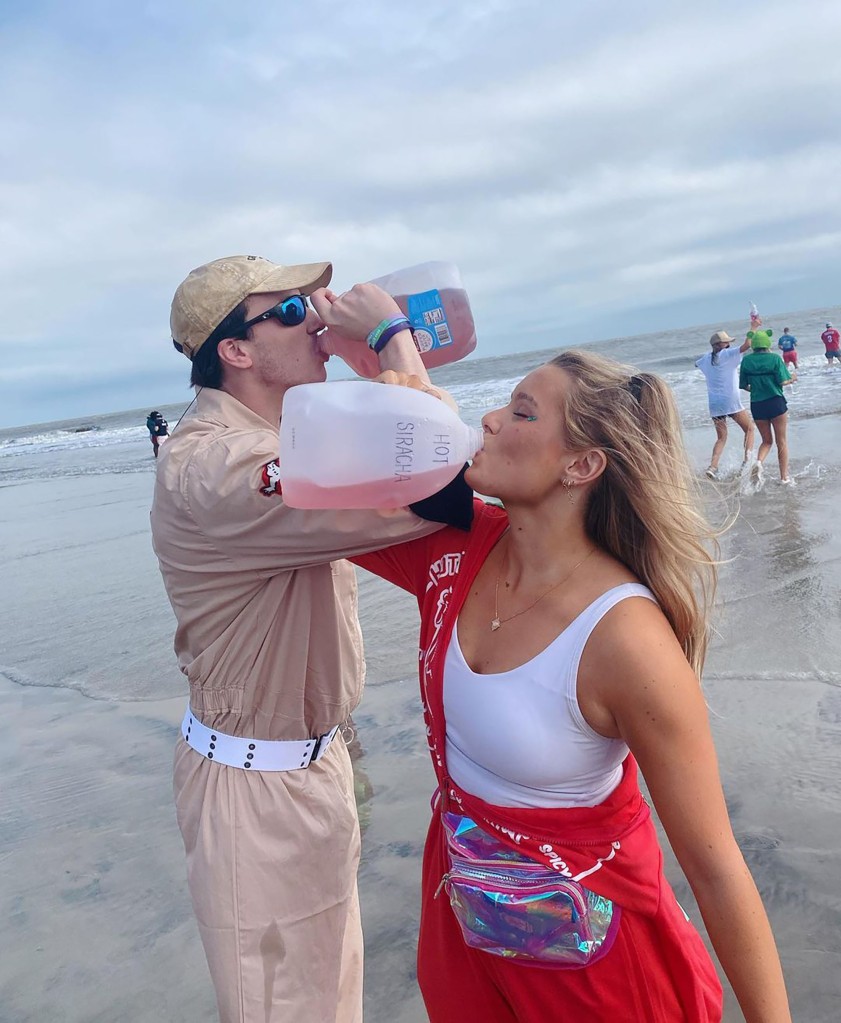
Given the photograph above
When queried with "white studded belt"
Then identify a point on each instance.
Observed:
(253, 754)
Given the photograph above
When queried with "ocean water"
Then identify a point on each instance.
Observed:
(118, 442)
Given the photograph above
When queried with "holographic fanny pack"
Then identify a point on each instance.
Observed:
(511, 906)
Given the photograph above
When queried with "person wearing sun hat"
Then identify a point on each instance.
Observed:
(764, 374)
(720, 367)
(268, 639)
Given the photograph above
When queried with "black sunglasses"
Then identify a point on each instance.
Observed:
(290, 311)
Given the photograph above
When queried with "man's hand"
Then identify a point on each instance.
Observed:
(354, 313)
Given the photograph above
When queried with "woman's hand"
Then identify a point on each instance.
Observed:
(392, 376)
(354, 313)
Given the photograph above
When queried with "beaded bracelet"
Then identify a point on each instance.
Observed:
(376, 334)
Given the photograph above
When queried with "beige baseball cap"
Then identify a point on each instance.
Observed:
(212, 291)
(721, 337)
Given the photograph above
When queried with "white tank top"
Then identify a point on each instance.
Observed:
(518, 738)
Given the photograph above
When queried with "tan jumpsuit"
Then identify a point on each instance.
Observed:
(268, 637)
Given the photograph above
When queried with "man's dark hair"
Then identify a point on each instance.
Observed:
(206, 366)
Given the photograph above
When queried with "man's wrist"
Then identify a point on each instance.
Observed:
(385, 331)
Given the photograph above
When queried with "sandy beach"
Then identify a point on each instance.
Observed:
(97, 922)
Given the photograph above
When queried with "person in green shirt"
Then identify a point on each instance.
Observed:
(764, 374)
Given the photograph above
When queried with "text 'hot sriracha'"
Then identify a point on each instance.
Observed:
(358, 444)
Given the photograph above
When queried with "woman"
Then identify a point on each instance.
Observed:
(561, 642)
(721, 370)
(764, 374)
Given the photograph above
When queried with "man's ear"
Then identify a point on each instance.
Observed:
(234, 352)
(587, 466)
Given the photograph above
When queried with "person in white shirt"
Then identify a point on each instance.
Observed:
(721, 369)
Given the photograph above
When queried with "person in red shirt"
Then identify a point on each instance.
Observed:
(561, 644)
(832, 343)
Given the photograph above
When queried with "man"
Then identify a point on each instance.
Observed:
(269, 640)
(832, 343)
(720, 367)
(787, 343)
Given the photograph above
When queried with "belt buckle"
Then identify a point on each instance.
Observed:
(316, 746)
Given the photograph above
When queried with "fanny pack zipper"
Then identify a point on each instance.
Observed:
(498, 879)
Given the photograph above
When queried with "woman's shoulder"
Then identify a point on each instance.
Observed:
(631, 626)
(608, 583)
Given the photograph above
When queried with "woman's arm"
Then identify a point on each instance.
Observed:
(784, 378)
(635, 679)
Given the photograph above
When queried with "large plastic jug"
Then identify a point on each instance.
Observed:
(434, 299)
(359, 444)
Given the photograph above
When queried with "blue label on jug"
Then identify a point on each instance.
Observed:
(429, 321)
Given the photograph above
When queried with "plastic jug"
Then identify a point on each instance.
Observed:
(434, 299)
(359, 444)
(755, 318)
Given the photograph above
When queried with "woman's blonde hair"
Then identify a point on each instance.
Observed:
(645, 509)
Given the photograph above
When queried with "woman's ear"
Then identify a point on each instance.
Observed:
(587, 466)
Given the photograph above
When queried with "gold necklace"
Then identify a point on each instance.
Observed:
(497, 621)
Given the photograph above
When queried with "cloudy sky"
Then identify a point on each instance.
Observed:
(594, 168)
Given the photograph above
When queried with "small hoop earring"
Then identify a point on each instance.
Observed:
(568, 485)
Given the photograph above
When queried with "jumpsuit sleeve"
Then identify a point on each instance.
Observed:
(232, 491)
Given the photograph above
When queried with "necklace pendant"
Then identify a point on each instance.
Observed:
(495, 624)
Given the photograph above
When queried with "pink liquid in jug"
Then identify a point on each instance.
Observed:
(386, 493)
(443, 328)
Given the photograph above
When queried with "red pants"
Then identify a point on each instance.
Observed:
(631, 984)
(790, 357)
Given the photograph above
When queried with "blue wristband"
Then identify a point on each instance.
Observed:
(389, 332)
(375, 334)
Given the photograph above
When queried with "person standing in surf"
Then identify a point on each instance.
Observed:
(763, 373)
(832, 343)
(787, 344)
(720, 367)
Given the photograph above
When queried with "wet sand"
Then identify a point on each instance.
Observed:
(97, 924)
